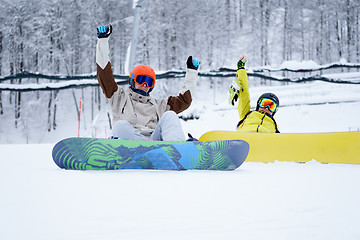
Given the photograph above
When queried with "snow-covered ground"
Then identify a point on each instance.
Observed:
(257, 201)
(281, 200)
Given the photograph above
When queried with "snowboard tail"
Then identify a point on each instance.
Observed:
(109, 154)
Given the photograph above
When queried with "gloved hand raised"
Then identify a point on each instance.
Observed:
(235, 87)
(104, 31)
(241, 62)
(192, 63)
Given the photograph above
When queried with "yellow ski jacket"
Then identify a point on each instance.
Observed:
(252, 121)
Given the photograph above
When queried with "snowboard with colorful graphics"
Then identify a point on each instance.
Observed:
(112, 154)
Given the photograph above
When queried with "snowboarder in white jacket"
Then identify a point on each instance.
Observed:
(135, 115)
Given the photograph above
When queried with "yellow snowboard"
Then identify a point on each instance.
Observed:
(336, 147)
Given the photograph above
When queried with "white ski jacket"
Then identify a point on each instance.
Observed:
(143, 112)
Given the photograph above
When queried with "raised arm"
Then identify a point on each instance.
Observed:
(104, 72)
(239, 90)
(183, 100)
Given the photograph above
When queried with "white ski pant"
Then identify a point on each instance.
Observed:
(168, 129)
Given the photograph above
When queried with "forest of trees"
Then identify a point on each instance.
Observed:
(58, 37)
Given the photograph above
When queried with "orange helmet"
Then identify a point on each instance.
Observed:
(142, 74)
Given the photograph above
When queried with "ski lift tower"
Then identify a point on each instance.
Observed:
(134, 36)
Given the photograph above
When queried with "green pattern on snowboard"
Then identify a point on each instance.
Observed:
(108, 154)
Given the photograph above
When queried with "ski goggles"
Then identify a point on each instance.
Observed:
(142, 79)
(269, 104)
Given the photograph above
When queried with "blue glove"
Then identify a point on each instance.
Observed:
(196, 63)
(192, 63)
(104, 31)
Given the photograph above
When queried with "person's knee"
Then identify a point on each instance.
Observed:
(170, 115)
(121, 123)
(121, 127)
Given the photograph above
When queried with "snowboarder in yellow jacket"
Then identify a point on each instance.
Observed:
(262, 118)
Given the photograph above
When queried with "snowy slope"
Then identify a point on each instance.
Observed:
(257, 201)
